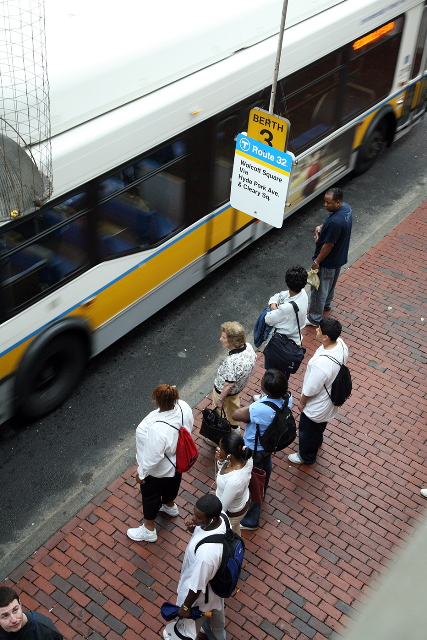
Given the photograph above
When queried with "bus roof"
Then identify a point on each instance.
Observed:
(100, 58)
(116, 136)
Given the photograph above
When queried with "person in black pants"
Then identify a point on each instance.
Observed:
(316, 405)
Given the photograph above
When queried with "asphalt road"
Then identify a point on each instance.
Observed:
(52, 468)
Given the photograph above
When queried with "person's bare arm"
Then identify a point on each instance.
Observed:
(324, 251)
(241, 415)
(185, 610)
(224, 393)
(316, 232)
(303, 402)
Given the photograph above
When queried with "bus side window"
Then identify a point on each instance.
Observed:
(31, 226)
(164, 194)
(310, 98)
(41, 264)
(143, 203)
(419, 49)
(225, 133)
(371, 68)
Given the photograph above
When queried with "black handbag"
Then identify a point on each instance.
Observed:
(284, 354)
(214, 425)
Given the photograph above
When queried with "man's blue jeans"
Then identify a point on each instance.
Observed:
(262, 460)
(321, 298)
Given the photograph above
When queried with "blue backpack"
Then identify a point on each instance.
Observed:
(225, 580)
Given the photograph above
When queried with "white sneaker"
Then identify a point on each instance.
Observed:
(141, 534)
(424, 493)
(295, 458)
(258, 396)
(171, 511)
(236, 430)
(311, 324)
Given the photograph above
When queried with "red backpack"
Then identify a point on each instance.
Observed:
(186, 451)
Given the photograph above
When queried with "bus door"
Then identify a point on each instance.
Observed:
(416, 93)
(421, 55)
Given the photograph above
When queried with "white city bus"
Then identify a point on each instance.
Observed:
(146, 103)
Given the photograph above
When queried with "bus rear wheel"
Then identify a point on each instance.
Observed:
(51, 373)
(370, 150)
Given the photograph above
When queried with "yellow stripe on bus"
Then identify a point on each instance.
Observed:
(166, 264)
(149, 275)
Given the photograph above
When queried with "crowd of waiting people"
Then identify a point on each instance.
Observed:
(237, 453)
(235, 458)
(230, 505)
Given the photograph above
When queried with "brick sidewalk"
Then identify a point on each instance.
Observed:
(328, 532)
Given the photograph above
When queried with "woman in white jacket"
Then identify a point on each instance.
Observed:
(281, 316)
(234, 463)
(156, 442)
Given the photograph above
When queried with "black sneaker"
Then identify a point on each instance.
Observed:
(248, 528)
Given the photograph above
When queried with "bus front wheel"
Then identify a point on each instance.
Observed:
(370, 150)
(50, 374)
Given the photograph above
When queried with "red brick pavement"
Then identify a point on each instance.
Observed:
(328, 532)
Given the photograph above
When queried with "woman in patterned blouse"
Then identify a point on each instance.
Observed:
(234, 373)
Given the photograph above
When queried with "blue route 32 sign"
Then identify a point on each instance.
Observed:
(261, 178)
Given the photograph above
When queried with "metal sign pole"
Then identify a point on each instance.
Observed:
(278, 54)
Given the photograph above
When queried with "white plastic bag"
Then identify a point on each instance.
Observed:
(313, 278)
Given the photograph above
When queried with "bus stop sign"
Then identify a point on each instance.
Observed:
(260, 182)
(269, 129)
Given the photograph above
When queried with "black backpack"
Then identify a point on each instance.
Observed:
(281, 431)
(342, 386)
(233, 550)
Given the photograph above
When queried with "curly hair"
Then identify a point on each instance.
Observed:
(165, 396)
(296, 278)
(210, 505)
(235, 333)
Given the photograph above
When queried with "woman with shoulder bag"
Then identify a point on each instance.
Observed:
(233, 374)
(274, 385)
(156, 443)
(285, 318)
(234, 465)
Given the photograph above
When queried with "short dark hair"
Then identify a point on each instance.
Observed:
(275, 384)
(233, 444)
(210, 505)
(296, 278)
(7, 595)
(336, 193)
(331, 328)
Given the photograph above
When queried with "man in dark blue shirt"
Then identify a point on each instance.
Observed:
(332, 241)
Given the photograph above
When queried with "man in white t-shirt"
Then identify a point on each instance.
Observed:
(198, 568)
(316, 405)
